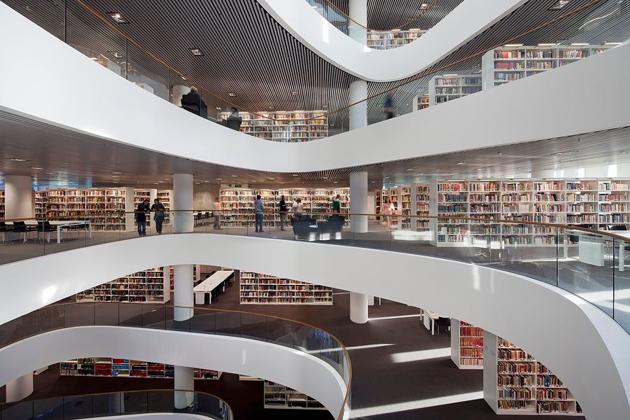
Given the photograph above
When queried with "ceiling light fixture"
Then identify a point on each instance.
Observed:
(424, 6)
(17, 160)
(36, 168)
(409, 169)
(460, 163)
(231, 94)
(218, 108)
(513, 45)
(295, 175)
(219, 179)
(116, 54)
(559, 5)
(234, 176)
(294, 93)
(196, 52)
(118, 18)
(580, 44)
(546, 44)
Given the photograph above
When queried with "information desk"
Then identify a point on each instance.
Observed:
(58, 224)
(206, 287)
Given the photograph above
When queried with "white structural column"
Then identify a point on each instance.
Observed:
(357, 30)
(183, 296)
(18, 190)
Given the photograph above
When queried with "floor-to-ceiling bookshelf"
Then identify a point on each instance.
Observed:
(509, 63)
(446, 87)
(257, 288)
(282, 397)
(384, 40)
(148, 286)
(466, 345)
(287, 126)
(423, 199)
(516, 383)
(103, 207)
(112, 367)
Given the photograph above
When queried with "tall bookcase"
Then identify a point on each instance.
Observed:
(446, 87)
(149, 286)
(421, 102)
(282, 397)
(257, 288)
(125, 368)
(408, 200)
(2, 204)
(509, 63)
(287, 126)
(516, 383)
(466, 345)
(384, 40)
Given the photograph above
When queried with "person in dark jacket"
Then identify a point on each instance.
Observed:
(141, 217)
(193, 102)
(159, 212)
(283, 212)
(235, 120)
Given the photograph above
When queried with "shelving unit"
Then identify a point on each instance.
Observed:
(452, 200)
(422, 102)
(281, 397)
(509, 63)
(39, 203)
(423, 199)
(149, 286)
(384, 40)
(256, 288)
(466, 345)
(2, 204)
(124, 368)
(238, 203)
(516, 383)
(286, 126)
(444, 88)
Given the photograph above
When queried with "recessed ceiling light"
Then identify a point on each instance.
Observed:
(409, 169)
(231, 94)
(117, 173)
(271, 107)
(118, 18)
(460, 163)
(295, 175)
(219, 179)
(116, 54)
(513, 45)
(546, 44)
(335, 182)
(183, 78)
(294, 93)
(234, 176)
(17, 160)
(37, 168)
(197, 183)
(196, 52)
(559, 4)
(424, 6)
(580, 44)
(612, 43)
(218, 108)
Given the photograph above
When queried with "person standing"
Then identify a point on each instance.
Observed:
(141, 217)
(234, 120)
(259, 209)
(159, 212)
(193, 102)
(297, 209)
(336, 205)
(283, 212)
(388, 106)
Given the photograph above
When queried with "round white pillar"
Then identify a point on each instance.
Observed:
(358, 112)
(183, 296)
(18, 197)
(358, 308)
(183, 203)
(359, 201)
(19, 388)
(357, 27)
(184, 379)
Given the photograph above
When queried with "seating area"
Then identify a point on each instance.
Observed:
(307, 227)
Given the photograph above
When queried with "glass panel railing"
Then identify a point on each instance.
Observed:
(275, 330)
(589, 263)
(115, 404)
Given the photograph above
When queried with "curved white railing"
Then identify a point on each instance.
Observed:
(466, 21)
(83, 97)
(233, 354)
(577, 341)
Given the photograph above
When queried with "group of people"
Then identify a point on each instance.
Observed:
(143, 209)
(193, 102)
(297, 210)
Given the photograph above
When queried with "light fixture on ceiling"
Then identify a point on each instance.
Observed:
(231, 94)
(295, 175)
(546, 44)
(613, 43)
(294, 93)
(183, 78)
(580, 44)
(116, 54)
(36, 168)
(234, 176)
(513, 45)
(116, 173)
(13, 159)
(271, 107)
(118, 18)
(559, 4)
(335, 182)
(196, 52)
(218, 108)
(424, 6)
(460, 163)
(219, 179)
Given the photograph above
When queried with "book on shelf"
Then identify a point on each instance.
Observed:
(257, 288)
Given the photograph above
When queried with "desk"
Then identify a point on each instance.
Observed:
(59, 225)
(209, 284)
(428, 319)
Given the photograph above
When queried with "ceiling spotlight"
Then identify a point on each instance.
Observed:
(231, 94)
(219, 179)
(271, 107)
(295, 175)
(409, 169)
(218, 108)
(424, 6)
(513, 45)
(234, 176)
(17, 160)
(559, 4)
(36, 168)
(196, 52)
(118, 18)
(460, 163)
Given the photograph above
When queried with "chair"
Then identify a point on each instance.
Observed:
(21, 227)
(45, 227)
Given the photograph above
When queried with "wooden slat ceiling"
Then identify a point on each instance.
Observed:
(247, 52)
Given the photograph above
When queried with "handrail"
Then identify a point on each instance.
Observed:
(230, 414)
(413, 19)
(195, 311)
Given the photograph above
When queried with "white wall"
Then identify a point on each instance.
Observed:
(578, 342)
(237, 355)
(205, 195)
(470, 18)
(591, 95)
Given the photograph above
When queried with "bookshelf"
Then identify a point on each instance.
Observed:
(282, 397)
(506, 64)
(421, 102)
(516, 383)
(125, 368)
(446, 87)
(466, 345)
(384, 40)
(286, 126)
(452, 201)
(149, 286)
(39, 203)
(256, 288)
(422, 200)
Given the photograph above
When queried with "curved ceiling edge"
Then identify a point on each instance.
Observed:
(80, 95)
(467, 20)
(224, 353)
(481, 295)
